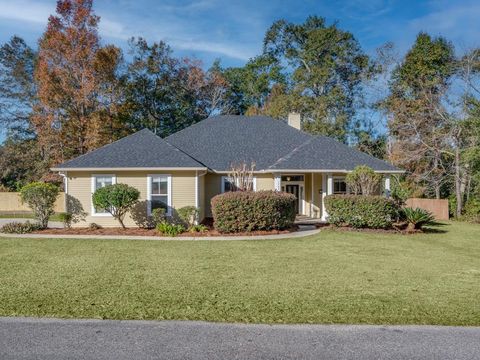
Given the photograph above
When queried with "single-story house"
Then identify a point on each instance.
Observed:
(191, 166)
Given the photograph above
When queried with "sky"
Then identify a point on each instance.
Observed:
(233, 30)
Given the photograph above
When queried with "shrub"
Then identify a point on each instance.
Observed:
(400, 192)
(188, 215)
(417, 218)
(159, 215)
(198, 228)
(66, 219)
(363, 180)
(170, 229)
(117, 199)
(472, 210)
(359, 211)
(250, 211)
(19, 228)
(452, 206)
(40, 197)
(94, 226)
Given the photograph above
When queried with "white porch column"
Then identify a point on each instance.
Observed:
(327, 189)
(387, 185)
(277, 180)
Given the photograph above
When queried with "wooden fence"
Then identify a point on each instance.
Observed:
(439, 208)
(10, 202)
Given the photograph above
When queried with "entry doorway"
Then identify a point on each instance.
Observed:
(295, 184)
(295, 190)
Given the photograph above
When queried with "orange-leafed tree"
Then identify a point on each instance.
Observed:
(76, 81)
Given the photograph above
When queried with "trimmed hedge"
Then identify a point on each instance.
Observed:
(360, 211)
(244, 211)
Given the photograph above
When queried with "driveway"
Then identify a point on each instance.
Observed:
(52, 224)
(26, 338)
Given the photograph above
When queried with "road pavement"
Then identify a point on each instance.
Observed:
(27, 338)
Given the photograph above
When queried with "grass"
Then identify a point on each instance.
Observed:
(25, 215)
(333, 277)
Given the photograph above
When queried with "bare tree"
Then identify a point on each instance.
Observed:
(241, 176)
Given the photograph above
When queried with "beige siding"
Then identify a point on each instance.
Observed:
(212, 188)
(79, 194)
(265, 182)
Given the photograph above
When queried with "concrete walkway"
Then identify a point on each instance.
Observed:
(28, 338)
(298, 234)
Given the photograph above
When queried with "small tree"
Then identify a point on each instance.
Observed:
(241, 175)
(117, 199)
(363, 180)
(40, 197)
(188, 215)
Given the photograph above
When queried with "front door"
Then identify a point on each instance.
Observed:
(294, 189)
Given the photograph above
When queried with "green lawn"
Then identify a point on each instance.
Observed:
(24, 215)
(333, 277)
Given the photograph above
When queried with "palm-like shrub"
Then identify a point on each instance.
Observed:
(417, 218)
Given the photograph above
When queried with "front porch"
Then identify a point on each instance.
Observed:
(311, 188)
(307, 220)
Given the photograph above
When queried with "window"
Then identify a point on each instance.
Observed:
(99, 181)
(228, 184)
(339, 186)
(159, 193)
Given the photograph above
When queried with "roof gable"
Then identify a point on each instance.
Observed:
(142, 149)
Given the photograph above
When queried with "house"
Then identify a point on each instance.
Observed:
(191, 166)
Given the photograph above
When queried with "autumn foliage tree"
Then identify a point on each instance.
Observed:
(71, 73)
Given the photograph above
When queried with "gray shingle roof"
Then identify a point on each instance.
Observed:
(220, 141)
(143, 149)
(322, 152)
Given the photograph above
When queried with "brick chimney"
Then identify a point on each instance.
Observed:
(294, 120)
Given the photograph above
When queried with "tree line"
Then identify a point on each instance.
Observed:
(73, 94)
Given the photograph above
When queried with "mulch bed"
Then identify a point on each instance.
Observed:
(396, 229)
(152, 232)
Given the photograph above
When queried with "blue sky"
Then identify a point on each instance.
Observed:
(233, 30)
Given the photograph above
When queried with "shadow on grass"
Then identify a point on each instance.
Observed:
(435, 228)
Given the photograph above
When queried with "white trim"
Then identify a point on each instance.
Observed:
(197, 200)
(327, 189)
(277, 182)
(93, 181)
(329, 184)
(324, 193)
(65, 187)
(312, 197)
(197, 194)
(129, 169)
(320, 171)
(387, 186)
(222, 183)
(169, 193)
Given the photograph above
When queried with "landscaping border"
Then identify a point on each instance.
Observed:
(297, 234)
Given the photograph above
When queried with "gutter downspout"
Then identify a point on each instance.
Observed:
(65, 186)
(197, 192)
